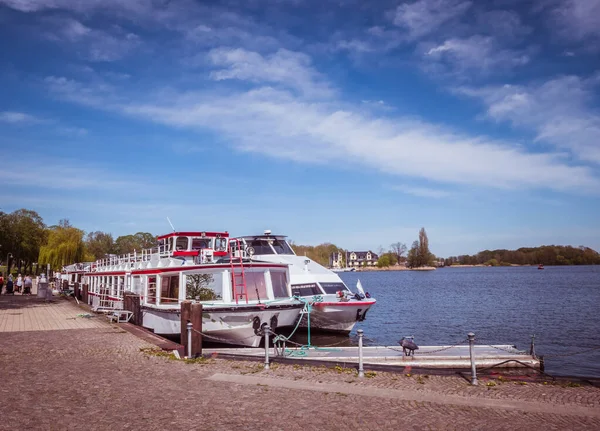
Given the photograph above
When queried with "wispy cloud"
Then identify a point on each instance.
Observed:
(94, 44)
(424, 192)
(475, 54)
(280, 124)
(578, 20)
(559, 111)
(423, 17)
(287, 68)
(18, 118)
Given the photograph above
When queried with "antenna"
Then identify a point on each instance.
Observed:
(172, 227)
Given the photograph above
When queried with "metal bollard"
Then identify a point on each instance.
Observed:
(532, 347)
(471, 353)
(189, 334)
(267, 330)
(361, 371)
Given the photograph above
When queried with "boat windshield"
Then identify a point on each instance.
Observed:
(270, 246)
(333, 287)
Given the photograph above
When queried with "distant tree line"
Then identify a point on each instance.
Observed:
(546, 255)
(27, 244)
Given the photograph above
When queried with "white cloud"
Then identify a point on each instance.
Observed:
(288, 68)
(279, 124)
(579, 20)
(95, 44)
(424, 17)
(476, 54)
(424, 192)
(559, 111)
(17, 118)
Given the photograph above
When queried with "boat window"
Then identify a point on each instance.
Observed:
(137, 286)
(169, 289)
(181, 243)
(279, 282)
(200, 243)
(307, 289)
(333, 287)
(256, 285)
(204, 287)
(151, 298)
(282, 247)
(261, 246)
(220, 244)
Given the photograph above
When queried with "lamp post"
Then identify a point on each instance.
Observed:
(9, 257)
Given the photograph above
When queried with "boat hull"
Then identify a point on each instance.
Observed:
(336, 316)
(231, 325)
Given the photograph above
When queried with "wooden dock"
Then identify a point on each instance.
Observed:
(426, 357)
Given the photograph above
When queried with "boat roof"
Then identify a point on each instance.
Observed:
(200, 234)
(263, 236)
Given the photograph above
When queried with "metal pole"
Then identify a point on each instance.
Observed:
(267, 330)
(532, 348)
(361, 371)
(471, 353)
(189, 334)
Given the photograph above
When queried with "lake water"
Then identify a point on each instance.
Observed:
(501, 305)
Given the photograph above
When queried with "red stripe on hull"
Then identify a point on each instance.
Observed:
(344, 304)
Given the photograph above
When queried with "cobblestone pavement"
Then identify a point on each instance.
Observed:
(29, 313)
(104, 377)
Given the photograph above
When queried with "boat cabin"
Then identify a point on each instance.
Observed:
(261, 245)
(202, 247)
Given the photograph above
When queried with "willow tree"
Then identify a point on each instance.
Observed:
(64, 246)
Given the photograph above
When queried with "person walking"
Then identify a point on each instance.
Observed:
(9, 285)
(1, 282)
(19, 283)
(27, 284)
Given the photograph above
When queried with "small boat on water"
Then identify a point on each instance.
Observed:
(346, 269)
(239, 296)
(541, 266)
(334, 307)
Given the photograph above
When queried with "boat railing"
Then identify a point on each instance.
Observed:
(145, 255)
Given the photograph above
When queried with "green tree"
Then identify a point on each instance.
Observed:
(424, 255)
(128, 243)
(64, 246)
(398, 248)
(413, 256)
(22, 233)
(99, 244)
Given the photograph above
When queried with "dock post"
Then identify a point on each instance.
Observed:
(189, 339)
(196, 319)
(532, 347)
(472, 354)
(267, 330)
(361, 371)
(185, 317)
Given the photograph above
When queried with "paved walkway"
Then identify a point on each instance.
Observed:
(104, 377)
(28, 313)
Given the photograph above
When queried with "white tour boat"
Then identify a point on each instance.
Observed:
(239, 297)
(334, 307)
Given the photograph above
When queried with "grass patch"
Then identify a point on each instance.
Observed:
(159, 353)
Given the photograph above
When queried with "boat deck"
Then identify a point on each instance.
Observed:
(426, 357)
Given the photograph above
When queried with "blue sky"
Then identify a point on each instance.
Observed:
(344, 121)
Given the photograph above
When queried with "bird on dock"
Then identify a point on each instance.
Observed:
(408, 346)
